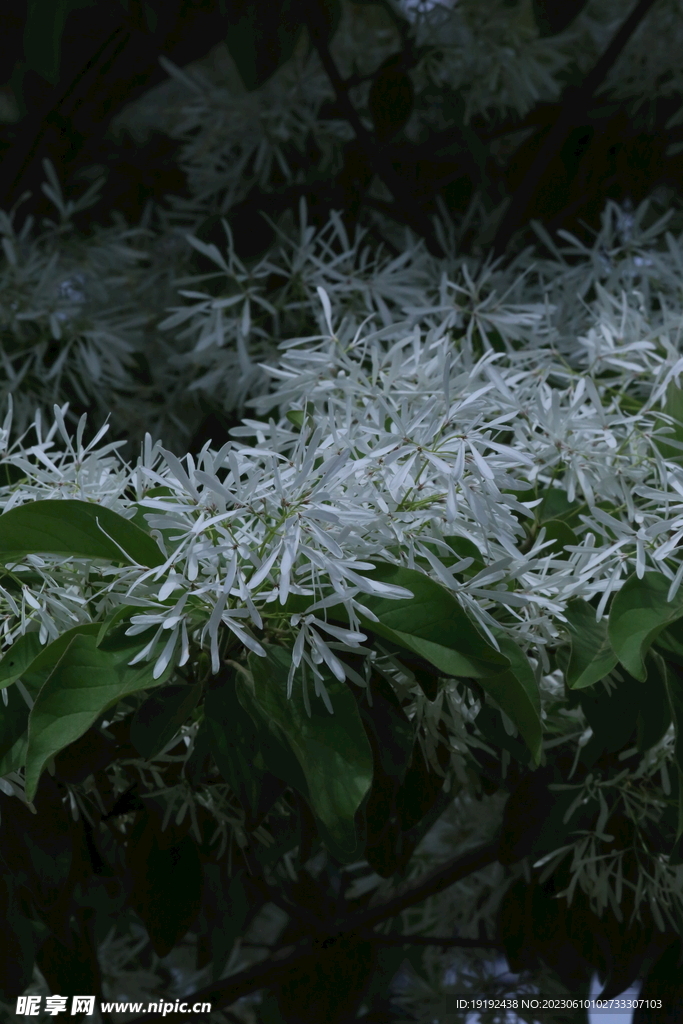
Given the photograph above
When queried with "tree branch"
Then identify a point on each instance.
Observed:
(411, 210)
(576, 101)
(436, 940)
(432, 883)
(223, 993)
(273, 970)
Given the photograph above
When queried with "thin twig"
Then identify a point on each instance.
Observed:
(223, 993)
(432, 883)
(433, 940)
(411, 210)
(273, 970)
(575, 102)
(17, 161)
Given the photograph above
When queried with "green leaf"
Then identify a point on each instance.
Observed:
(237, 740)
(261, 38)
(18, 658)
(555, 505)
(297, 417)
(226, 908)
(42, 665)
(43, 30)
(391, 98)
(13, 726)
(612, 714)
(516, 693)
(332, 750)
(167, 881)
(562, 534)
(592, 657)
(114, 620)
(85, 682)
(654, 710)
(554, 16)
(78, 528)
(161, 715)
(673, 407)
(673, 682)
(639, 613)
(432, 624)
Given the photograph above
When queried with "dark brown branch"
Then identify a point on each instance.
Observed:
(223, 993)
(576, 101)
(273, 970)
(411, 210)
(432, 883)
(21, 155)
(433, 940)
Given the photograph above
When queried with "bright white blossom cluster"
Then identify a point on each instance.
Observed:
(380, 441)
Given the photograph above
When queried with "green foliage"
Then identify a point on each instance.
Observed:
(639, 612)
(160, 716)
(82, 682)
(167, 880)
(553, 16)
(592, 657)
(45, 21)
(391, 99)
(74, 528)
(331, 750)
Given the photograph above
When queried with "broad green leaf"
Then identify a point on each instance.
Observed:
(393, 732)
(464, 548)
(613, 714)
(332, 749)
(654, 711)
(78, 528)
(15, 757)
(562, 534)
(20, 655)
(516, 693)
(236, 742)
(674, 690)
(43, 30)
(161, 715)
(673, 407)
(554, 16)
(297, 417)
(13, 726)
(555, 505)
(85, 682)
(274, 753)
(261, 38)
(167, 880)
(668, 644)
(639, 613)
(432, 624)
(35, 674)
(592, 657)
(115, 618)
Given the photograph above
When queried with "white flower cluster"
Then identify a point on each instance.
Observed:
(386, 440)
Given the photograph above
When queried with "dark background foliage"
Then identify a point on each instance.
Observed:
(72, 66)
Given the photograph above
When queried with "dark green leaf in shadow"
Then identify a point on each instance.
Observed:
(80, 529)
(161, 715)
